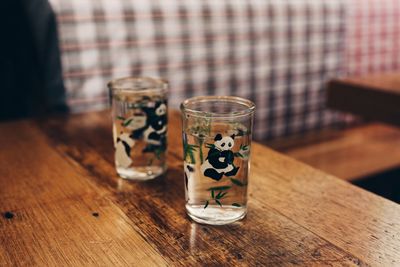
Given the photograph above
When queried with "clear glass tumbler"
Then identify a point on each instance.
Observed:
(139, 113)
(217, 134)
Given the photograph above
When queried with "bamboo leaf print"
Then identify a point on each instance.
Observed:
(192, 157)
(237, 182)
(206, 205)
(218, 202)
(188, 151)
(242, 132)
(244, 147)
(210, 146)
(237, 154)
(218, 188)
(201, 150)
(236, 205)
(126, 123)
(158, 153)
(221, 195)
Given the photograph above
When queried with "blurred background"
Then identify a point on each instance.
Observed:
(58, 55)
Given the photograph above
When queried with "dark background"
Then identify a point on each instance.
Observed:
(30, 67)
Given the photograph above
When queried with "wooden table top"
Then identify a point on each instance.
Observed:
(374, 96)
(63, 204)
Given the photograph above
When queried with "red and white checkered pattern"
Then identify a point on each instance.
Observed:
(373, 36)
(276, 53)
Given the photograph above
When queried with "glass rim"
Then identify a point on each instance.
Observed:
(249, 106)
(157, 84)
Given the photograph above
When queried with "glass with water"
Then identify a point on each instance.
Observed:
(216, 143)
(139, 112)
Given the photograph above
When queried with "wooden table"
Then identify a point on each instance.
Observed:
(63, 204)
(375, 97)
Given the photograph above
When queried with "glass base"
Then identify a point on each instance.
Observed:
(215, 215)
(141, 173)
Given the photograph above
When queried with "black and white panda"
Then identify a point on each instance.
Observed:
(220, 159)
(155, 133)
(123, 146)
(136, 124)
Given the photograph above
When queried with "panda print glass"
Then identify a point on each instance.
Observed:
(216, 143)
(139, 112)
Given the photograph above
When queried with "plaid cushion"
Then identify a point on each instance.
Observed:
(277, 53)
(373, 36)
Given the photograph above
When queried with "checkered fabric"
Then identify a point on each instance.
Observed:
(373, 36)
(278, 53)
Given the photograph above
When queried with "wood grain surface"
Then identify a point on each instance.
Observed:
(63, 204)
(353, 153)
(375, 97)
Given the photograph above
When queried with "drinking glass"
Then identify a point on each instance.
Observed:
(139, 113)
(217, 133)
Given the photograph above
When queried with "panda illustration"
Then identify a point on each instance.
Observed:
(136, 124)
(220, 158)
(155, 133)
(123, 150)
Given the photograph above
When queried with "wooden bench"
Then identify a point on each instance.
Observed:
(363, 150)
(373, 97)
(350, 154)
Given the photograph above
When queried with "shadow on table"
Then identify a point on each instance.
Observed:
(386, 184)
